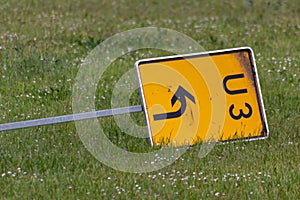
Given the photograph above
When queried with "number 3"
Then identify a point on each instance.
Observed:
(242, 114)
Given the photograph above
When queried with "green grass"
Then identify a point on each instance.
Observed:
(42, 44)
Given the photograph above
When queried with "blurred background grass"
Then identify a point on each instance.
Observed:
(43, 42)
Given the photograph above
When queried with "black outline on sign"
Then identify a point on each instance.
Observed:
(180, 95)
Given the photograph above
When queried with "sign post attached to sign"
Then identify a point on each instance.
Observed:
(201, 97)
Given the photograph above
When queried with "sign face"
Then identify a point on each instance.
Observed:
(203, 97)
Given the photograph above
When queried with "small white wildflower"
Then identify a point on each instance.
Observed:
(185, 178)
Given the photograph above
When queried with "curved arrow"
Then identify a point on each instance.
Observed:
(181, 94)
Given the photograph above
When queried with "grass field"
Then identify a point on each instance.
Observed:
(42, 44)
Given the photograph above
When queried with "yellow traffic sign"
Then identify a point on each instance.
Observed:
(203, 97)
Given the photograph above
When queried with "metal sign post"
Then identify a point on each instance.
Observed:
(69, 118)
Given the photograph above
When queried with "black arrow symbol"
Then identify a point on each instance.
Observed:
(181, 94)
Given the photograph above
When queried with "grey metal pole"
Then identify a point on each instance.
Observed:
(69, 118)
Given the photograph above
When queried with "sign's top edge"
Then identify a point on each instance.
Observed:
(192, 55)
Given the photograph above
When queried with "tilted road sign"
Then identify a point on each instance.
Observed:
(211, 96)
